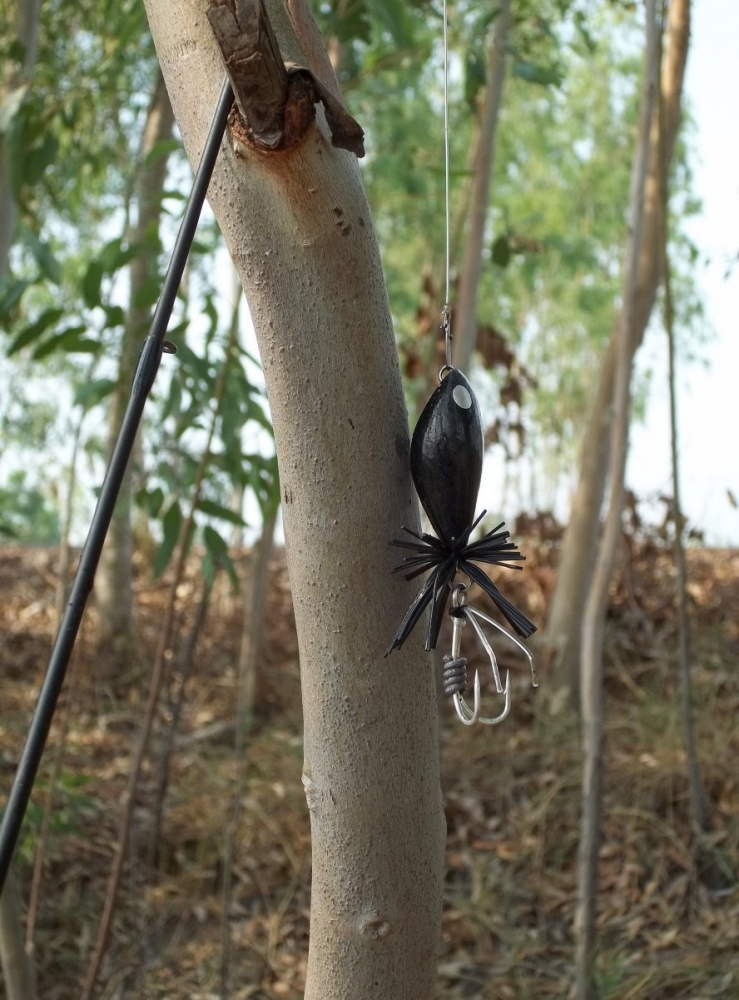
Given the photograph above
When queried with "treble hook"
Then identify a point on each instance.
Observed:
(467, 716)
(456, 665)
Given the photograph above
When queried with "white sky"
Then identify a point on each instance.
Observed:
(708, 423)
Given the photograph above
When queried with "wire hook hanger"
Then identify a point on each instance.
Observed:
(446, 312)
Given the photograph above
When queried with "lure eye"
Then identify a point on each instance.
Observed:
(446, 456)
(461, 397)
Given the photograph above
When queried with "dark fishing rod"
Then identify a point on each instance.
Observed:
(146, 371)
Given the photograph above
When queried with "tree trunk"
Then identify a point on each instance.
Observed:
(699, 801)
(591, 666)
(465, 313)
(17, 967)
(113, 583)
(18, 972)
(255, 585)
(574, 577)
(300, 234)
(27, 21)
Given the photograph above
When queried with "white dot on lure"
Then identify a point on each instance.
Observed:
(461, 397)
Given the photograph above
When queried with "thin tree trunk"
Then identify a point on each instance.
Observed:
(62, 582)
(35, 894)
(563, 634)
(18, 972)
(256, 580)
(300, 233)
(699, 801)
(27, 13)
(465, 313)
(17, 967)
(255, 601)
(593, 627)
(113, 583)
(155, 685)
(163, 764)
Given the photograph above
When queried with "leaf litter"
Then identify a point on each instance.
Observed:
(512, 803)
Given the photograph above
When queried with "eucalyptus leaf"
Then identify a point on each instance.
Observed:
(11, 292)
(171, 527)
(91, 283)
(213, 509)
(34, 330)
(69, 339)
(91, 393)
(43, 255)
(501, 251)
(545, 76)
(217, 548)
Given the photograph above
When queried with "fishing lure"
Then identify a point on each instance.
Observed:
(446, 467)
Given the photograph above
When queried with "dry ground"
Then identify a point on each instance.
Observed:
(512, 804)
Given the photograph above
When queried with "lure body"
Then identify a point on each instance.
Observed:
(446, 466)
(446, 456)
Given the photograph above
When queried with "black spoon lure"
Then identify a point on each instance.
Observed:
(446, 466)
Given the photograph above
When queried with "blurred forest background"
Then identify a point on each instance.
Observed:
(545, 106)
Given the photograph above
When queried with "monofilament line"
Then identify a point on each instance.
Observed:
(446, 312)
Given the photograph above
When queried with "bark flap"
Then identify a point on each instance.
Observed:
(276, 100)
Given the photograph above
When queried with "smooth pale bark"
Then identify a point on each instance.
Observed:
(563, 635)
(465, 312)
(300, 234)
(114, 582)
(593, 629)
(27, 28)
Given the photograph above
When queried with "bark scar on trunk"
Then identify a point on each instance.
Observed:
(275, 100)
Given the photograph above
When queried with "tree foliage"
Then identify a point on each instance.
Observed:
(72, 142)
(552, 261)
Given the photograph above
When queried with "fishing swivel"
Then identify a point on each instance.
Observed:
(455, 665)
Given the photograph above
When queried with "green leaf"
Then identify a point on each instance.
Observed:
(474, 76)
(116, 254)
(162, 148)
(582, 29)
(11, 292)
(150, 500)
(171, 526)
(147, 293)
(393, 15)
(209, 310)
(34, 330)
(91, 284)
(114, 316)
(174, 194)
(68, 340)
(189, 360)
(92, 393)
(39, 159)
(215, 543)
(173, 402)
(42, 254)
(351, 23)
(217, 510)
(501, 252)
(217, 548)
(545, 76)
